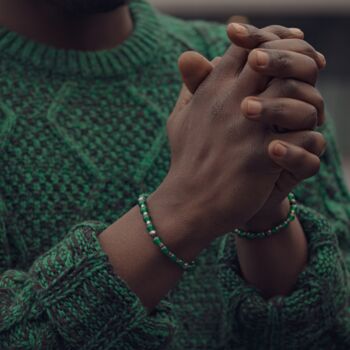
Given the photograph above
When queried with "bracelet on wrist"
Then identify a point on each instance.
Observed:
(264, 234)
(151, 230)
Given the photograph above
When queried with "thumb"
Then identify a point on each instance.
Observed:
(194, 68)
(183, 99)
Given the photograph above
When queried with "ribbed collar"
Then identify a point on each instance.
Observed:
(137, 50)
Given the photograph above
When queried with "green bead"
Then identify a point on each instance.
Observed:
(150, 227)
(165, 250)
(157, 240)
(142, 201)
(257, 235)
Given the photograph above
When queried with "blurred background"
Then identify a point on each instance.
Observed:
(326, 25)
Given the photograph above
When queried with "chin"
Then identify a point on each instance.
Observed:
(87, 7)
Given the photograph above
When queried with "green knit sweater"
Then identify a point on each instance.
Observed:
(81, 135)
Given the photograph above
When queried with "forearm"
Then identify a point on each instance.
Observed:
(273, 264)
(138, 261)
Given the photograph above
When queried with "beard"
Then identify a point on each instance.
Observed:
(87, 7)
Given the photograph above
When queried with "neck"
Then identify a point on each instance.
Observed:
(47, 24)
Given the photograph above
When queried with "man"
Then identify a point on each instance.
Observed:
(86, 91)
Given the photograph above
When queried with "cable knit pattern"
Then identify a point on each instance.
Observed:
(81, 135)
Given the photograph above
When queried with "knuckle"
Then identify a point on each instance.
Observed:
(307, 48)
(309, 141)
(313, 142)
(278, 30)
(311, 70)
(289, 87)
(259, 36)
(314, 167)
(310, 51)
(302, 159)
(311, 118)
(266, 45)
(278, 110)
(320, 102)
(282, 61)
(321, 144)
(314, 70)
(250, 27)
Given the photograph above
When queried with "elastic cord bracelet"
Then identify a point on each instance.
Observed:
(142, 202)
(268, 233)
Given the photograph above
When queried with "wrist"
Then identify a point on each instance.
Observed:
(269, 216)
(176, 223)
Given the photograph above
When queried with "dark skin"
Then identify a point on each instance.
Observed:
(42, 21)
(178, 206)
(267, 263)
(221, 94)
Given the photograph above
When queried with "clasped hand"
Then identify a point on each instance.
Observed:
(242, 132)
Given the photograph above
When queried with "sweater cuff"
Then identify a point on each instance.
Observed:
(88, 304)
(295, 321)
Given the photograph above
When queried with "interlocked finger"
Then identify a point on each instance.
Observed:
(284, 64)
(284, 113)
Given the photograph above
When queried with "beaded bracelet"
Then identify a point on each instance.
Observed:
(142, 202)
(268, 233)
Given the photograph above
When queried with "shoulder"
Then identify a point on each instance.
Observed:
(208, 38)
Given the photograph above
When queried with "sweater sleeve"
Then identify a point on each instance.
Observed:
(71, 299)
(318, 308)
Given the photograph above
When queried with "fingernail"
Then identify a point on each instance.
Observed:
(296, 31)
(322, 58)
(239, 29)
(280, 150)
(262, 59)
(254, 108)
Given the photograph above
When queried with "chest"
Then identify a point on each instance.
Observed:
(76, 154)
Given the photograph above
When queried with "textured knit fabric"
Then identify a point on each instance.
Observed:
(81, 135)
